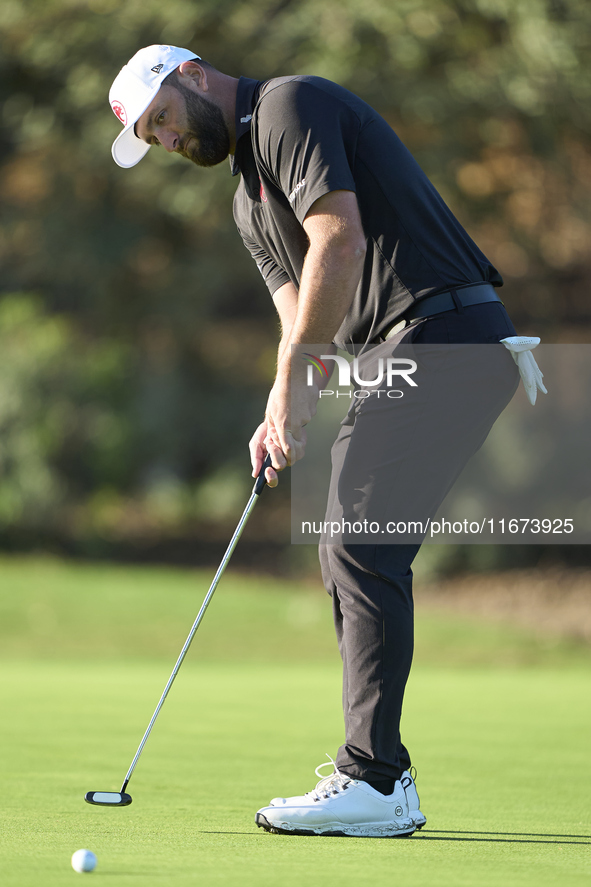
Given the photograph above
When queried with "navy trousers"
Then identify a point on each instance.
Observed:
(371, 584)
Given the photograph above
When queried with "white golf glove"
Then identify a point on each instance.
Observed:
(521, 348)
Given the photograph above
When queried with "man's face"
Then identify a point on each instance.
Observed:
(206, 140)
(183, 121)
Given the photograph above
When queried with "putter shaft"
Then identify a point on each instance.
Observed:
(257, 489)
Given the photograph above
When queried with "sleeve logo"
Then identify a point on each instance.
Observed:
(295, 191)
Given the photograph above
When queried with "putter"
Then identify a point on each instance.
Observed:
(122, 798)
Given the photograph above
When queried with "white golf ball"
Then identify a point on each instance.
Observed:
(84, 861)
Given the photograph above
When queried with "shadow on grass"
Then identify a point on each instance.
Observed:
(455, 835)
(501, 837)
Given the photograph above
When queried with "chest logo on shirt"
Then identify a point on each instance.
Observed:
(262, 192)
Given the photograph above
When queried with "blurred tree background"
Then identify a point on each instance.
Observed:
(137, 340)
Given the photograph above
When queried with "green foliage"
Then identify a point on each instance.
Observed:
(94, 442)
(64, 422)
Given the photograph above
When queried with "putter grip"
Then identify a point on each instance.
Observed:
(261, 483)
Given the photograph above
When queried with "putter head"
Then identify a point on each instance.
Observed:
(108, 799)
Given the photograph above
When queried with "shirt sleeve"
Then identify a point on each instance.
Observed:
(273, 274)
(305, 139)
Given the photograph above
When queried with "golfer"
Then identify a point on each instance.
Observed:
(356, 247)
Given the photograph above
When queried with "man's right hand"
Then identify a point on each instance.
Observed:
(259, 446)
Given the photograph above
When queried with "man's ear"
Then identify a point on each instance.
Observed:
(192, 74)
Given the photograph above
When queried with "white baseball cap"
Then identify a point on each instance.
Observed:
(133, 90)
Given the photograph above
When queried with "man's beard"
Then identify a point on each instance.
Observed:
(206, 141)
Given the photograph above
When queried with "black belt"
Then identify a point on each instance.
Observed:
(476, 294)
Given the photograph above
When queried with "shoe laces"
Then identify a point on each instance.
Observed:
(406, 782)
(330, 785)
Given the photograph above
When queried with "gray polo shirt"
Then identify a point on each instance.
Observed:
(298, 138)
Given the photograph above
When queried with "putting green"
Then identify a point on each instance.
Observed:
(501, 751)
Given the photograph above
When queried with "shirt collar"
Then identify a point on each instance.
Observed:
(246, 99)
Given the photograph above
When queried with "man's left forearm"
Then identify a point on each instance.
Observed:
(330, 276)
(332, 268)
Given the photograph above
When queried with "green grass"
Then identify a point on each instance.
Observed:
(50, 609)
(501, 747)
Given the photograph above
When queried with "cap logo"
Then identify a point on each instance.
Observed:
(157, 68)
(119, 112)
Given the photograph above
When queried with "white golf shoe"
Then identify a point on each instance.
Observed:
(412, 796)
(340, 806)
